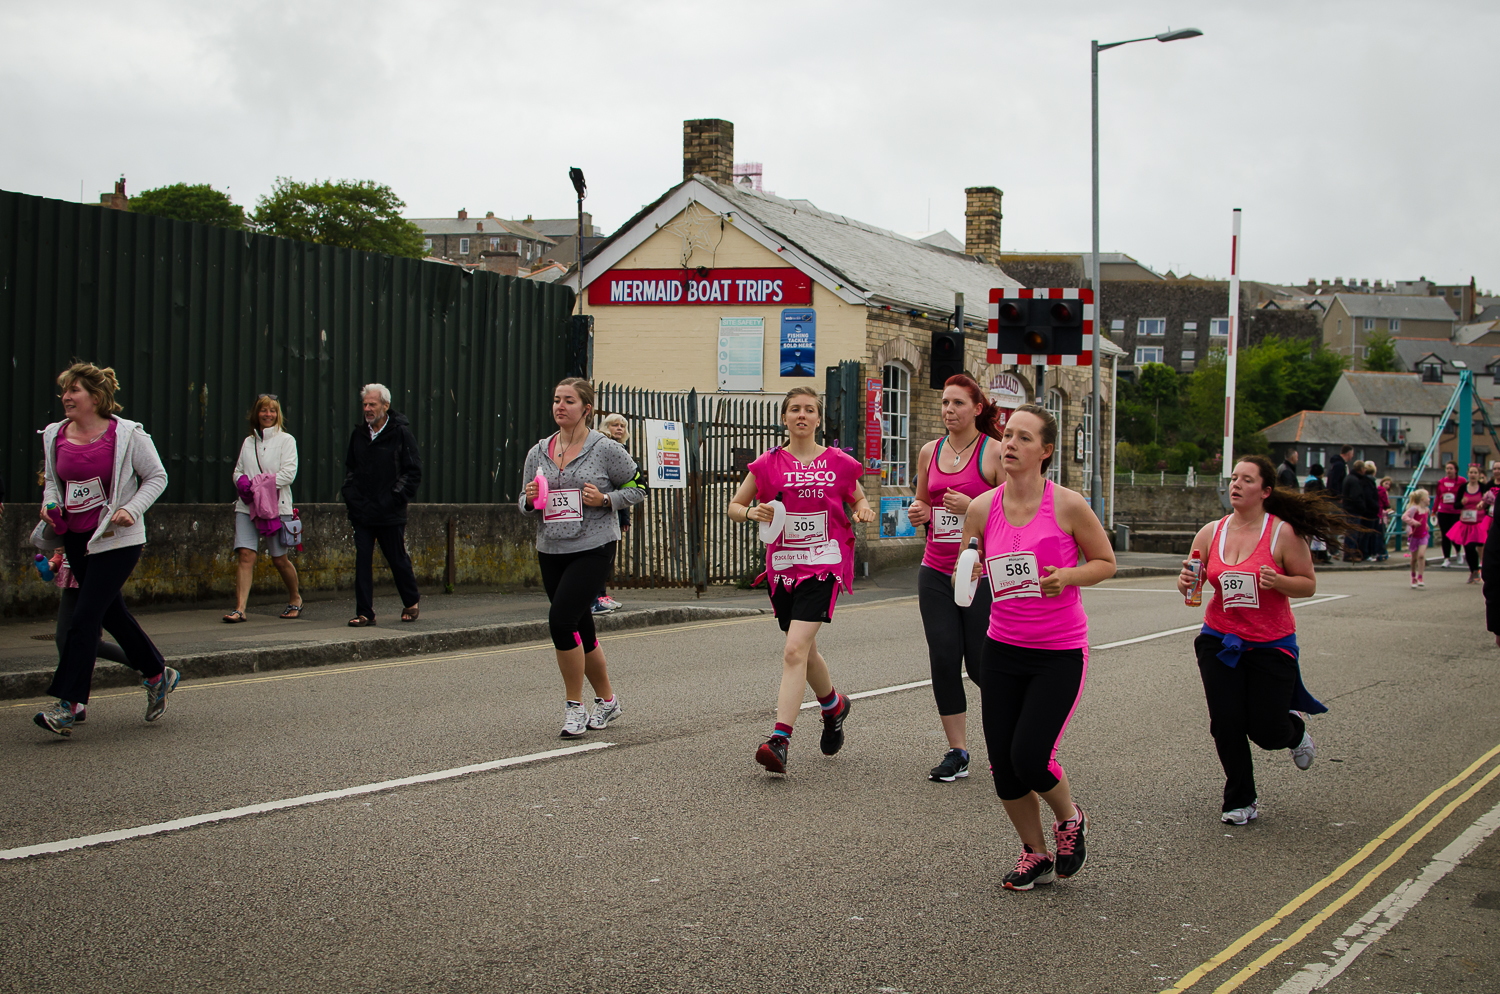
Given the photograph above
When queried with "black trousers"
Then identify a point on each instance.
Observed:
(955, 636)
(65, 611)
(1251, 702)
(572, 580)
(101, 577)
(1446, 521)
(392, 539)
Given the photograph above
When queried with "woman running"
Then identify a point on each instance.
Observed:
(1033, 534)
(807, 564)
(586, 473)
(1445, 496)
(1247, 650)
(951, 472)
(1473, 523)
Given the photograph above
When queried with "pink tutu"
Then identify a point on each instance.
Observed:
(1467, 534)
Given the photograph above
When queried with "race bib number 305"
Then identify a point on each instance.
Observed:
(1239, 590)
(805, 529)
(564, 505)
(946, 526)
(1015, 575)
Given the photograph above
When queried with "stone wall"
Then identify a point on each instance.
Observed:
(1151, 508)
(189, 555)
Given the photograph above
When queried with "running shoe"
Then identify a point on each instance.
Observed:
(614, 605)
(1421, 583)
(955, 766)
(600, 607)
(1241, 816)
(604, 713)
(1305, 751)
(57, 717)
(1444, 563)
(1068, 837)
(833, 729)
(156, 693)
(1031, 869)
(575, 721)
(772, 754)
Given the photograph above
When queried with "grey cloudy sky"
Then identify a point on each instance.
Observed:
(1351, 133)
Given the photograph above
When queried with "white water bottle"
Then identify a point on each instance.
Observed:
(964, 588)
(770, 531)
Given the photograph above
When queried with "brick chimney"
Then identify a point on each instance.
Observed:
(118, 200)
(463, 215)
(708, 149)
(982, 222)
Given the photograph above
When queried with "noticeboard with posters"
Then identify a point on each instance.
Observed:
(666, 455)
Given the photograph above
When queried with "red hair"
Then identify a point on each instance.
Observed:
(985, 419)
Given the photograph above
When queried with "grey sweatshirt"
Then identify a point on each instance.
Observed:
(604, 463)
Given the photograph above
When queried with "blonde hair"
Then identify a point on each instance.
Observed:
(613, 419)
(1370, 467)
(1419, 497)
(263, 401)
(100, 384)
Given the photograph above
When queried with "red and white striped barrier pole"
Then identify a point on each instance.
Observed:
(1234, 347)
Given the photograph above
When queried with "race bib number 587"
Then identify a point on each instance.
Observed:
(1239, 590)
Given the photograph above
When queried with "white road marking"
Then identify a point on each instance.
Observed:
(1199, 626)
(1388, 912)
(84, 841)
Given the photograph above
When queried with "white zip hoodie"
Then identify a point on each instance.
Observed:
(139, 479)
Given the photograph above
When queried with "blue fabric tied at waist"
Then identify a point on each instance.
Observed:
(1234, 647)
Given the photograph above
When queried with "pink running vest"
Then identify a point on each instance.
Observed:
(1239, 606)
(945, 530)
(1028, 619)
(817, 540)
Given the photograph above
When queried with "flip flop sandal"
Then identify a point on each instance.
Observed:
(410, 614)
(293, 611)
(361, 622)
(235, 617)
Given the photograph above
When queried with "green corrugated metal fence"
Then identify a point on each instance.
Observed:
(197, 321)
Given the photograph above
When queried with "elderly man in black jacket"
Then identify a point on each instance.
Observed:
(381, 473)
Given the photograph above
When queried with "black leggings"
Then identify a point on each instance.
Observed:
(1446, 521)
(1471, 556)
(1250, 702)
(1028, 695)
(573, 580)
(955, 636)
(65, 609)
(100, 579)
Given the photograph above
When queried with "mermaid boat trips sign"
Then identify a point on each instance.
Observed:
(782, 285)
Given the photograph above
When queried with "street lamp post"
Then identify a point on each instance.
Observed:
(1097, 488)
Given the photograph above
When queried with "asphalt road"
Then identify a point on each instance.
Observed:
(667, 861)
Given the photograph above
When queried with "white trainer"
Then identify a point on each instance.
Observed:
(575, 721)
(1305, 751)
(1241, 816)
(605, 713)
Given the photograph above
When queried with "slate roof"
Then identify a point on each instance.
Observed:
(1411, 351)
(469, 227)
(1324, 428)
(1398, 393)
(1394, 305)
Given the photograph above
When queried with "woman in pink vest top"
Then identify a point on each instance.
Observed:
(807, 564)
(1256, 558)
(951, 472)
(1041, 543)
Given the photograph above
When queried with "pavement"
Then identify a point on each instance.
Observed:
(196, 641)
(416, 824)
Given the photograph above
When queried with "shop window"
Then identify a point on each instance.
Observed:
(895, 427)
(1054, 408)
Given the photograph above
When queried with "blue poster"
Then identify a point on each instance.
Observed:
(799, 340)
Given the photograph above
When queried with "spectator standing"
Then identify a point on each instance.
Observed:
(1338, 470)
(617, 428)
(1358, 505)
(1383, 513)
(102, 474)
(1286, 473)
(1370, 516)
(1314, 484)
(381, 473)
(1447, 508)
(268, 461)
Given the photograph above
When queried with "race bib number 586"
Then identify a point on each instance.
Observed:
(1015, 575)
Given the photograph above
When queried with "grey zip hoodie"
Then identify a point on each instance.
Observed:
(604, 463)
(139, 478)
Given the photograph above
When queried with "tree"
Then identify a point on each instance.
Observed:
(352, 214)
(1380, 354)
(196, 202)
(1274, 379)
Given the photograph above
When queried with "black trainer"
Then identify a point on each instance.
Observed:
(1031, 869)
(833, 729)
(955, 766)
(772, 754)
(1068, 836)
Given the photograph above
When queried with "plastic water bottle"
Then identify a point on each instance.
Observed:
(770, 531)
(540, 503)
(54, 516)
(1194, 596)
(964, 587)
(44, 567)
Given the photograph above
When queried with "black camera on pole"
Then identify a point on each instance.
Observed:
(947, 357)
(1041, 327)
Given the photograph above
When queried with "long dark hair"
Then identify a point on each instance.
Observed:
(1310, 514)
(988, 413)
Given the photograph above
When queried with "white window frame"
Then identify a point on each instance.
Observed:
(463, 246)
(1369, 324)
(1394, 325)
(1054, 406)
(1118, 324)
(895, 425)
(494, 243)
(1088, 436)
(1143, 324)
(427, 245)
(1190, 326)
(1218, 327)
(1141, 349)
(1189, 355)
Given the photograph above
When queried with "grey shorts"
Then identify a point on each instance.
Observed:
(246, 537)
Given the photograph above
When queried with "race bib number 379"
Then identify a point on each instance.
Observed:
(946, 526)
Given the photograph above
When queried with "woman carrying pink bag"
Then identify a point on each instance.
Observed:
(263, 477)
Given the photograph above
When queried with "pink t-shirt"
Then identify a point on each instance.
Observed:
(84, 474)
(1015, 562)
(945, 531)
(1445, 498)
(817, 540)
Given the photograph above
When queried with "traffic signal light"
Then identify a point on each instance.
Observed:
(1041, 326)
(947, 357)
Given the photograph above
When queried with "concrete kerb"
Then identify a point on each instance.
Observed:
(332, 652)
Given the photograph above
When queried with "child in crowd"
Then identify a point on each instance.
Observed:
(1415, 517)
